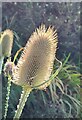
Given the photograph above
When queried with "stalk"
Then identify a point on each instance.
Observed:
(1, 63)
(24, 96)
(7, 96)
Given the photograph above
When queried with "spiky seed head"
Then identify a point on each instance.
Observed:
(36, 62)
(8, 68)
(6, 41)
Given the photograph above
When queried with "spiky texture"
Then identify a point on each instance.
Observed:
(36, 62)
(24, 96)
(7, 97)
(6, 41)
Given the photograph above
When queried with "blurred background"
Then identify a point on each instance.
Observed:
(23, 18)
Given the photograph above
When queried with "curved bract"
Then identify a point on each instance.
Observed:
(36, 62)
(6, 41)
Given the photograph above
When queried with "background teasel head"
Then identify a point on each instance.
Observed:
(8, 68)
(6, 41)
(36, 62)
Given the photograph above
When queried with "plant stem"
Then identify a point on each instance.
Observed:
(7, 96)
(1, 63)
(24, 95)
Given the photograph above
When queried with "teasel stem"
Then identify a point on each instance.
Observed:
(9, 85)
(7, 96)
(8, 90)
(1, 63)
(24, 96)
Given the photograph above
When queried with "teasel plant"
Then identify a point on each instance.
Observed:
(6, 42)
(34, 67)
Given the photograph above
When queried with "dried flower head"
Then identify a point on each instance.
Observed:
(6, 41)
(8, 68)
(36, 62)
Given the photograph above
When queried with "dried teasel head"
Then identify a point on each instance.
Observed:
(36, 62)
(6, 41)
(8, 68)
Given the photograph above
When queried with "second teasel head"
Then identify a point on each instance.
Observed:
(36, 62)
(6, 42)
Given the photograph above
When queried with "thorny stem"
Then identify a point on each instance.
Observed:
(24, 96)
(7, 96)
(9, 82)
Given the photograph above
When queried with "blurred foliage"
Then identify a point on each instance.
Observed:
(62, 98)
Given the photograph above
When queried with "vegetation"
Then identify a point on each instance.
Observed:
(62, 98)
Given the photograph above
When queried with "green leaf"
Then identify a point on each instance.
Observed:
(66, 59)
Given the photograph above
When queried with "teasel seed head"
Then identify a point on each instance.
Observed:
(36, 62)
(8, 68)
(6, 41)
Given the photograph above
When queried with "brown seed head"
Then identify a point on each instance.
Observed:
(36, 62)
